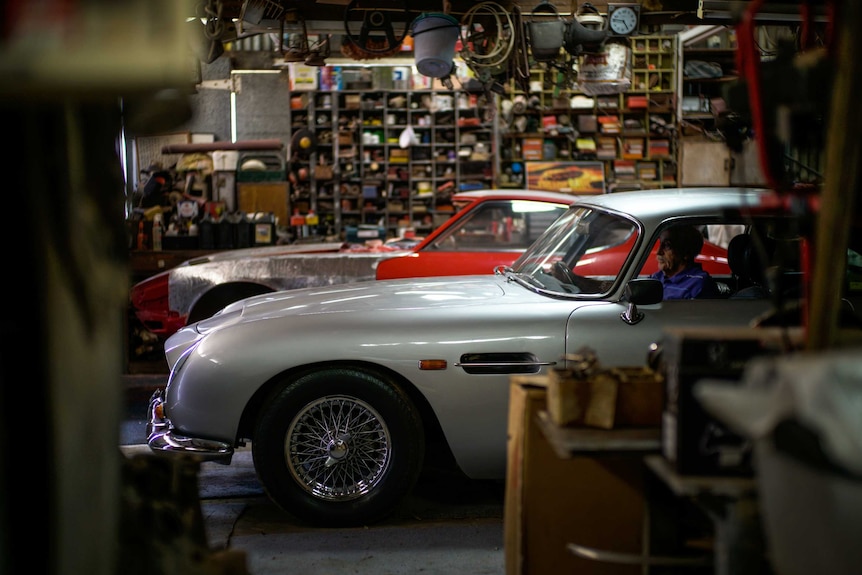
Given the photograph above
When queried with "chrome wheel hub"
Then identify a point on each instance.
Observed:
(338, 448)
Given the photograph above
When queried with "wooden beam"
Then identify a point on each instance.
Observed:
(839, 203)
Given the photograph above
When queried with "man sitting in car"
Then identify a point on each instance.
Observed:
(681, 276)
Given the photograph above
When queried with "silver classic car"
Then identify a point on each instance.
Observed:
(342, 390)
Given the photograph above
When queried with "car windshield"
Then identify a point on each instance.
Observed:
(582, 252)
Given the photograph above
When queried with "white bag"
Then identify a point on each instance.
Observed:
(407, 137)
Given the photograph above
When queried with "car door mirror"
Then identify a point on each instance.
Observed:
(644, 291)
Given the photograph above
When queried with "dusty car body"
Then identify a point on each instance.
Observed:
(340, 389)
(199, 287)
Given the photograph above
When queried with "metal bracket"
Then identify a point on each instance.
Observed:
(232, 84)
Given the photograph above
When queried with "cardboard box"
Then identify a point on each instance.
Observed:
(609, 398)
(595, 501)
(352, 101)
(531, 148)
(587, 123)
(302, 77)
(636, 102)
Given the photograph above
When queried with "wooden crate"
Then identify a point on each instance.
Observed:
(550, 502)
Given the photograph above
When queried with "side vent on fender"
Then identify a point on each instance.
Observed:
(501, 363)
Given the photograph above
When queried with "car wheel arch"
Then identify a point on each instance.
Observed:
(436, 446)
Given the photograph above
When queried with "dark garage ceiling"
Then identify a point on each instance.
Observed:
(329, 15)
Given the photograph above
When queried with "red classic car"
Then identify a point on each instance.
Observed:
(489, 228)
(498, 228)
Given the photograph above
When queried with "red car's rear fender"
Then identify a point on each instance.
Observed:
(151, 305)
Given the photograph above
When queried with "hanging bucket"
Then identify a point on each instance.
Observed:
(434, 39)
(546, 36)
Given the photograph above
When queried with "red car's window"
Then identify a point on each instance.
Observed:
(499, 225)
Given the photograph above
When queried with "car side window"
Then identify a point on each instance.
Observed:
(753, 258)
(669, 251)
(500, 225)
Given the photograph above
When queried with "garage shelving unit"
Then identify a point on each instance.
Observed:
(377, 180)
(632, 133)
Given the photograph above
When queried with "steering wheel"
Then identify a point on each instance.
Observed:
(562, 272)
(584, 284)
(375, 20)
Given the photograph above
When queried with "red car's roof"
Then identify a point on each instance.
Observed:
(518, 194)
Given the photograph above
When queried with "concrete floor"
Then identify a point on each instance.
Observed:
(449, 525)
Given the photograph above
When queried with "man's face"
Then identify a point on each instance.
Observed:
(668, 260)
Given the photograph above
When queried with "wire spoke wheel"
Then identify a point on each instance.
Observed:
(338, 448)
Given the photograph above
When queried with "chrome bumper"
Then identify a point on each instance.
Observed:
(162, 438)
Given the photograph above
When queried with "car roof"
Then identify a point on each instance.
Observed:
(659, 203)
(517, 194)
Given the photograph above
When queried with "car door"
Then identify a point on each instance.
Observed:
(616, 342)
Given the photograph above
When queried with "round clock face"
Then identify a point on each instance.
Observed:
(623, 20)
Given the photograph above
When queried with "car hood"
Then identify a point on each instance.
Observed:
(374, 295)
(268, 252)
(352, 306)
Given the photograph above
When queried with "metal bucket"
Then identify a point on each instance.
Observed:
(434, 39)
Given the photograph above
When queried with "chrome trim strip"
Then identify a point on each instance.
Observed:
(166, 441)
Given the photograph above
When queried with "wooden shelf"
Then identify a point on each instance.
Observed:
(571, 441)
(696, 485)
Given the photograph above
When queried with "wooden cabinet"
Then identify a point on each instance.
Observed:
(705, 158)
(593, 498)
(707, 74)
(706, 162)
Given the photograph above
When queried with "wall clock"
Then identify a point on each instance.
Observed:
(623, 19)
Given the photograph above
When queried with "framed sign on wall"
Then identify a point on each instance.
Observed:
(567, 177)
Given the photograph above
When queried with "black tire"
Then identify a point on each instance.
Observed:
(362, 447)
